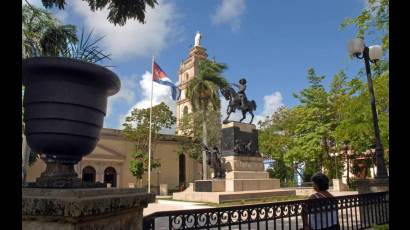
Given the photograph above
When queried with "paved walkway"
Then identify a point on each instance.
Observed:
(170, 205)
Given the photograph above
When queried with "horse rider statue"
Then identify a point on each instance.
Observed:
(238, 100)
(241, 92)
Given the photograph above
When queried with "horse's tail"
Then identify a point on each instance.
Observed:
(253, 105)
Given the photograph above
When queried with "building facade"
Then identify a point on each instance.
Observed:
(109, 163)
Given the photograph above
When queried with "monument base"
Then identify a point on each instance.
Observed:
(99, 208)
(239, 185)
(215, 185)
(338, 185)
(220, 197)
(372, 185)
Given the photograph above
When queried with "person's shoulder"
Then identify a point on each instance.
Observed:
(313, 196)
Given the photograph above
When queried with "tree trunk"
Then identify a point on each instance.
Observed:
(205, 142)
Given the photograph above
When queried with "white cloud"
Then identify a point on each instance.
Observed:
(126, 94)
(229, 12)
(61, 15)
(271, 103)
(161, 93)
(36, 3)
(134, 38)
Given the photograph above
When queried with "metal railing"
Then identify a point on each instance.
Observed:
(347, 212)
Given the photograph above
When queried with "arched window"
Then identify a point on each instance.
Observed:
(110, 176)
(186, 77)
(88, 174)
(185, 111)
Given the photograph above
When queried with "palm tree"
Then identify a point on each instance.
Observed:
(57, 38)
(202, 92)
(43, 34)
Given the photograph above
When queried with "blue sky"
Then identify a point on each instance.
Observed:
(270, 43)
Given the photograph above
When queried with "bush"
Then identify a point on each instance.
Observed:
(381, 227)
(289, 183)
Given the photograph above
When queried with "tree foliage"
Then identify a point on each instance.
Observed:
(136, 129)
(203, 90)
(191, 125)
(43, 34)
(139, 165)
(119, 10)
(322, 122)
(325, 119)
(203, 94)
(374, 18)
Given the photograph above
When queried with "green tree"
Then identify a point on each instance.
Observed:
(275, 139)
(191, 125)
(43, 34)
(119, 11)
(136, 128)
(372, 19)
(139, 164)
(356, 125)
(203, 94)
(314, 130)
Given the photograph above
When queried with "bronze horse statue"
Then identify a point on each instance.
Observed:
(235, 102)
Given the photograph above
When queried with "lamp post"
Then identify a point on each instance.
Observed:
(346, 148)
(370, 153)
(372, 54)
(334, 155)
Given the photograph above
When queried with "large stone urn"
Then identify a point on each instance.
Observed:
(65, 102)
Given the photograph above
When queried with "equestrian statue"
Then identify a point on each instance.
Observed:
(238, 100)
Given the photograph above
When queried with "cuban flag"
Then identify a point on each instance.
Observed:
(160, 77)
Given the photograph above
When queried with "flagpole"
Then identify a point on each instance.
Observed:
(150, 127)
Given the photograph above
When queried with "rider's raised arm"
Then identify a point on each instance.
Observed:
(235, 85)
(243, 88)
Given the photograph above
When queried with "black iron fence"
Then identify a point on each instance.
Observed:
(348, 212)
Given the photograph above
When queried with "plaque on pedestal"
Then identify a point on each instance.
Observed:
(239, 139)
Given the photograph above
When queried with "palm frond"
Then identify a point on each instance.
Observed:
(86, 49)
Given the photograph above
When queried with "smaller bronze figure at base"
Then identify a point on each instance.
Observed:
(215, 160)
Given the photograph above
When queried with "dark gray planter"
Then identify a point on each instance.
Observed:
(65, 102)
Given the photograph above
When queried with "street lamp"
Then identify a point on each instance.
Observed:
(345, 148)
(370, 153)
(334, 155)
(372, 54)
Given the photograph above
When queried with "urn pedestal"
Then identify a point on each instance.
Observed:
(83, 209)
(65, 102)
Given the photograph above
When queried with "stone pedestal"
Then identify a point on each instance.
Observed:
(339, 186)
(81, 209)
(209, 185)
(163, 189)
(372, 185)
(247, 173)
